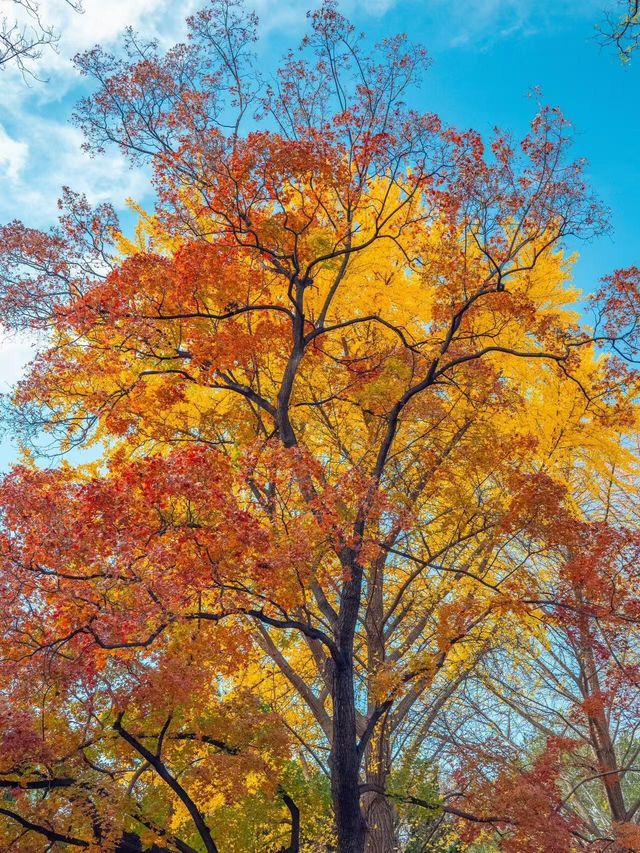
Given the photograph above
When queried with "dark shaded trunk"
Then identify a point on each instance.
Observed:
(345, 764)
(345, 756)
(294, 811)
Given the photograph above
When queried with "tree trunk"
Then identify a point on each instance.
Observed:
(601, 739)
(345, 762)
(380, 818)
(379, 811)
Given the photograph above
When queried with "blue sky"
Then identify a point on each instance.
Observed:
(487, 56)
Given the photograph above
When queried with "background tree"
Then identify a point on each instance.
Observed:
(572, 694)
(623, 29)
(24, 35)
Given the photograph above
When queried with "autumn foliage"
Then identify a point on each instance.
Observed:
(344, 553)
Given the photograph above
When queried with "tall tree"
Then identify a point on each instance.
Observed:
(307, 381)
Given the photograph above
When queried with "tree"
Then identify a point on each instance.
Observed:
(623, 30)
(307, 382)
(571, 691)
(24, 37)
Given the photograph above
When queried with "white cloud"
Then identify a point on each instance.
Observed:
(53, 158)
(13, 155)
(16, 351)
(99, 22)
(40, 151)
(103, 22)
(481, 22)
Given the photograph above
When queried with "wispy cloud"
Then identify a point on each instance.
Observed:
(13, 156)
(39, 150)
(33, 172)
(16, 351)
(479, 23)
